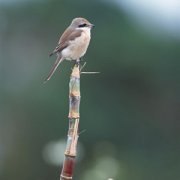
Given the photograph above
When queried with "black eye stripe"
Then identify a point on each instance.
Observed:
(83, 25)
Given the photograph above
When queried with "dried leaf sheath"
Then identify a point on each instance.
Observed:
(74, 102)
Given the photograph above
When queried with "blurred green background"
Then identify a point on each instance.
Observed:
(130, 111)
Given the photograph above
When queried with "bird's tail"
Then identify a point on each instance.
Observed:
(51, 54)
(53, 69)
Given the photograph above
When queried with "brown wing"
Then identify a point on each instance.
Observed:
(68, 35)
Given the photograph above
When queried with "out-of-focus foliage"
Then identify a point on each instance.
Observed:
(130, 111)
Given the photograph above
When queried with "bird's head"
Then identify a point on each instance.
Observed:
(81, 23)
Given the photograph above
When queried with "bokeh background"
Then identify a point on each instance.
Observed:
(130, 111)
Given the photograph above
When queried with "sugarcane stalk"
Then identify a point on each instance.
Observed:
(74, 102)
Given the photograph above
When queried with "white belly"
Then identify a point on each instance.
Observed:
(77, 48)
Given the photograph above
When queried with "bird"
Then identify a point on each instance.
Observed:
(72, 44)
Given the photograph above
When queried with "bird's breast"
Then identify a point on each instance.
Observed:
(77, 47)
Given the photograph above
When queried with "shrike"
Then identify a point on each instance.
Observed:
(73, 43)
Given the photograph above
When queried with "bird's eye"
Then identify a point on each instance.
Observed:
(83, 25)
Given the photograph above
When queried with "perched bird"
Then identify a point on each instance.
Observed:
(73, 43)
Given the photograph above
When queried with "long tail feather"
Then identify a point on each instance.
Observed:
(51, 54)
(53, 69)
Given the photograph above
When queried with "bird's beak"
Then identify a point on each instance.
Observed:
(92, 25)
